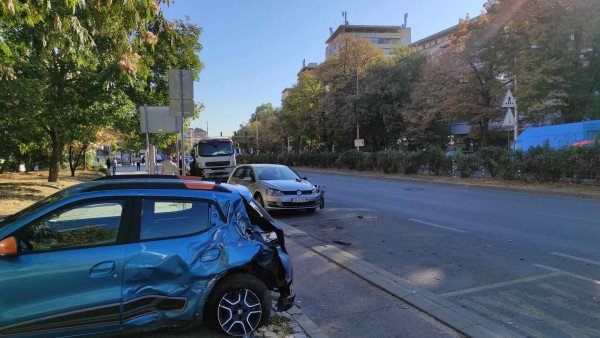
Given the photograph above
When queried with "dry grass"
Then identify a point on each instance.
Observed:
(19, 190)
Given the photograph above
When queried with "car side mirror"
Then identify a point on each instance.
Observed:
(8, 246)
(248, 179)
(305, 178)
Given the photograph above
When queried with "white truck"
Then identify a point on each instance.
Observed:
(213, 158)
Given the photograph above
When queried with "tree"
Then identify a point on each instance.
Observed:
(552, 49)
(386, 94)
(303, 121)
(73, 52)
(342, 75)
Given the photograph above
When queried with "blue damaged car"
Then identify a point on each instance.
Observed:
(123, 253)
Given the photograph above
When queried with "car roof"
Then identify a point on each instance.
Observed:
(122, 182)
(263, 165)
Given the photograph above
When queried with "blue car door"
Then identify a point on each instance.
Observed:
(67, 277)
(165, 270)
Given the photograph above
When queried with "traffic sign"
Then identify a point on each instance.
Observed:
(509, 119)
(175, 107)
(509, 100)
(359, 143)
(181, 81)
(158, 120)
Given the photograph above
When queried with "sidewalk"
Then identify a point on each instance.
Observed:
(344, 305)
(587, 191)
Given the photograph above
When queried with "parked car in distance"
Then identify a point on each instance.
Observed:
(105, 256)
(277, 187)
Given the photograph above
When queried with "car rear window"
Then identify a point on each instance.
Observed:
(164, 218)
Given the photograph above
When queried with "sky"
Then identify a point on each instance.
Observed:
(253, 49)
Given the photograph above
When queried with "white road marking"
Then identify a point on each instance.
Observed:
(501, 284)
(437, 225)
(591, 280)
(571, 217)
(575, 258)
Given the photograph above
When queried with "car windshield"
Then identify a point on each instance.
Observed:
(40, 204)
(275, 173)
(219, 148)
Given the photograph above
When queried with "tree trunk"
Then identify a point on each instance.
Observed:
(484, 131)
(72, 166)
(56, 156)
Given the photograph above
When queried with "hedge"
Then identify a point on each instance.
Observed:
(540, 164)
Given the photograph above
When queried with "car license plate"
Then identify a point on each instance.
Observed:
(299, 200)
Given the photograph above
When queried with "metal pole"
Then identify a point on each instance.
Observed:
(147, 139)
(516, 110)
(182, 141)
(357, 124)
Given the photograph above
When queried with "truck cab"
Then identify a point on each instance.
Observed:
(213, 158)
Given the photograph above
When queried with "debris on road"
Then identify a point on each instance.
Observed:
(339, 241)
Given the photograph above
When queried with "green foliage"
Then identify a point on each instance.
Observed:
(465, 163)
(68, 69)
(544, 164)
(493, 159)
(435, 159)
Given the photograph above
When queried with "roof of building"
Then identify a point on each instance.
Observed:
(440, 34)
(437, 35)
(363, 29)
(286, 89)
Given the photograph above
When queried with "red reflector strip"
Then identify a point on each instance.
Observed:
(200, 185)
(191, 178)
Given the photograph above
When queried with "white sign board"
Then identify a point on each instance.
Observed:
(359, 143)
(175, 107)
(181, 81)
(509, 100)
(509, 119)
(158, 120)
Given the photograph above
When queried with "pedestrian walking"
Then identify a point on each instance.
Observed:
(138, 165)
(113, 165)
(107, 173)
(168, 167)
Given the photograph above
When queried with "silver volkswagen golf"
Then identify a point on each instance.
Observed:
(277, 187)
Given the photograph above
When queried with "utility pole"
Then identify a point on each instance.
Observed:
(356, 107)
(181, 167)
(516, 112)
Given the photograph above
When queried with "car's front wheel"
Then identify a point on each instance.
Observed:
(238, 305)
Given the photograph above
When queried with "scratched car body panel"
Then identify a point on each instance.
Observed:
(140, 282)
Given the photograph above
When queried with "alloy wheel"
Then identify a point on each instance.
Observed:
(239, 312)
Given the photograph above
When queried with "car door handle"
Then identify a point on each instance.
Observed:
(102, 269)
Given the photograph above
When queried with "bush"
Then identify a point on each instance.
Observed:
(544, 164)
(435, 159)
(493, 159)
(350, 159)
(465, 163)
(389, 161)
(583, 162)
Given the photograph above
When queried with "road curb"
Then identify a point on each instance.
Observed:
(438, 307)
(583, 195)
(310, 327)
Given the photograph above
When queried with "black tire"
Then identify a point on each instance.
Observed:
(322, 203)
(251, 290)
(258, 198)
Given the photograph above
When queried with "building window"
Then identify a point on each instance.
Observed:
(375, 40)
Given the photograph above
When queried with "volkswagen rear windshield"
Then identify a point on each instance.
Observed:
(218, 148)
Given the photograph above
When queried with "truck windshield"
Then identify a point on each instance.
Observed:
(215, 149)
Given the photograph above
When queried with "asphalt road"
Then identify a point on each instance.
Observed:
(530, 262)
